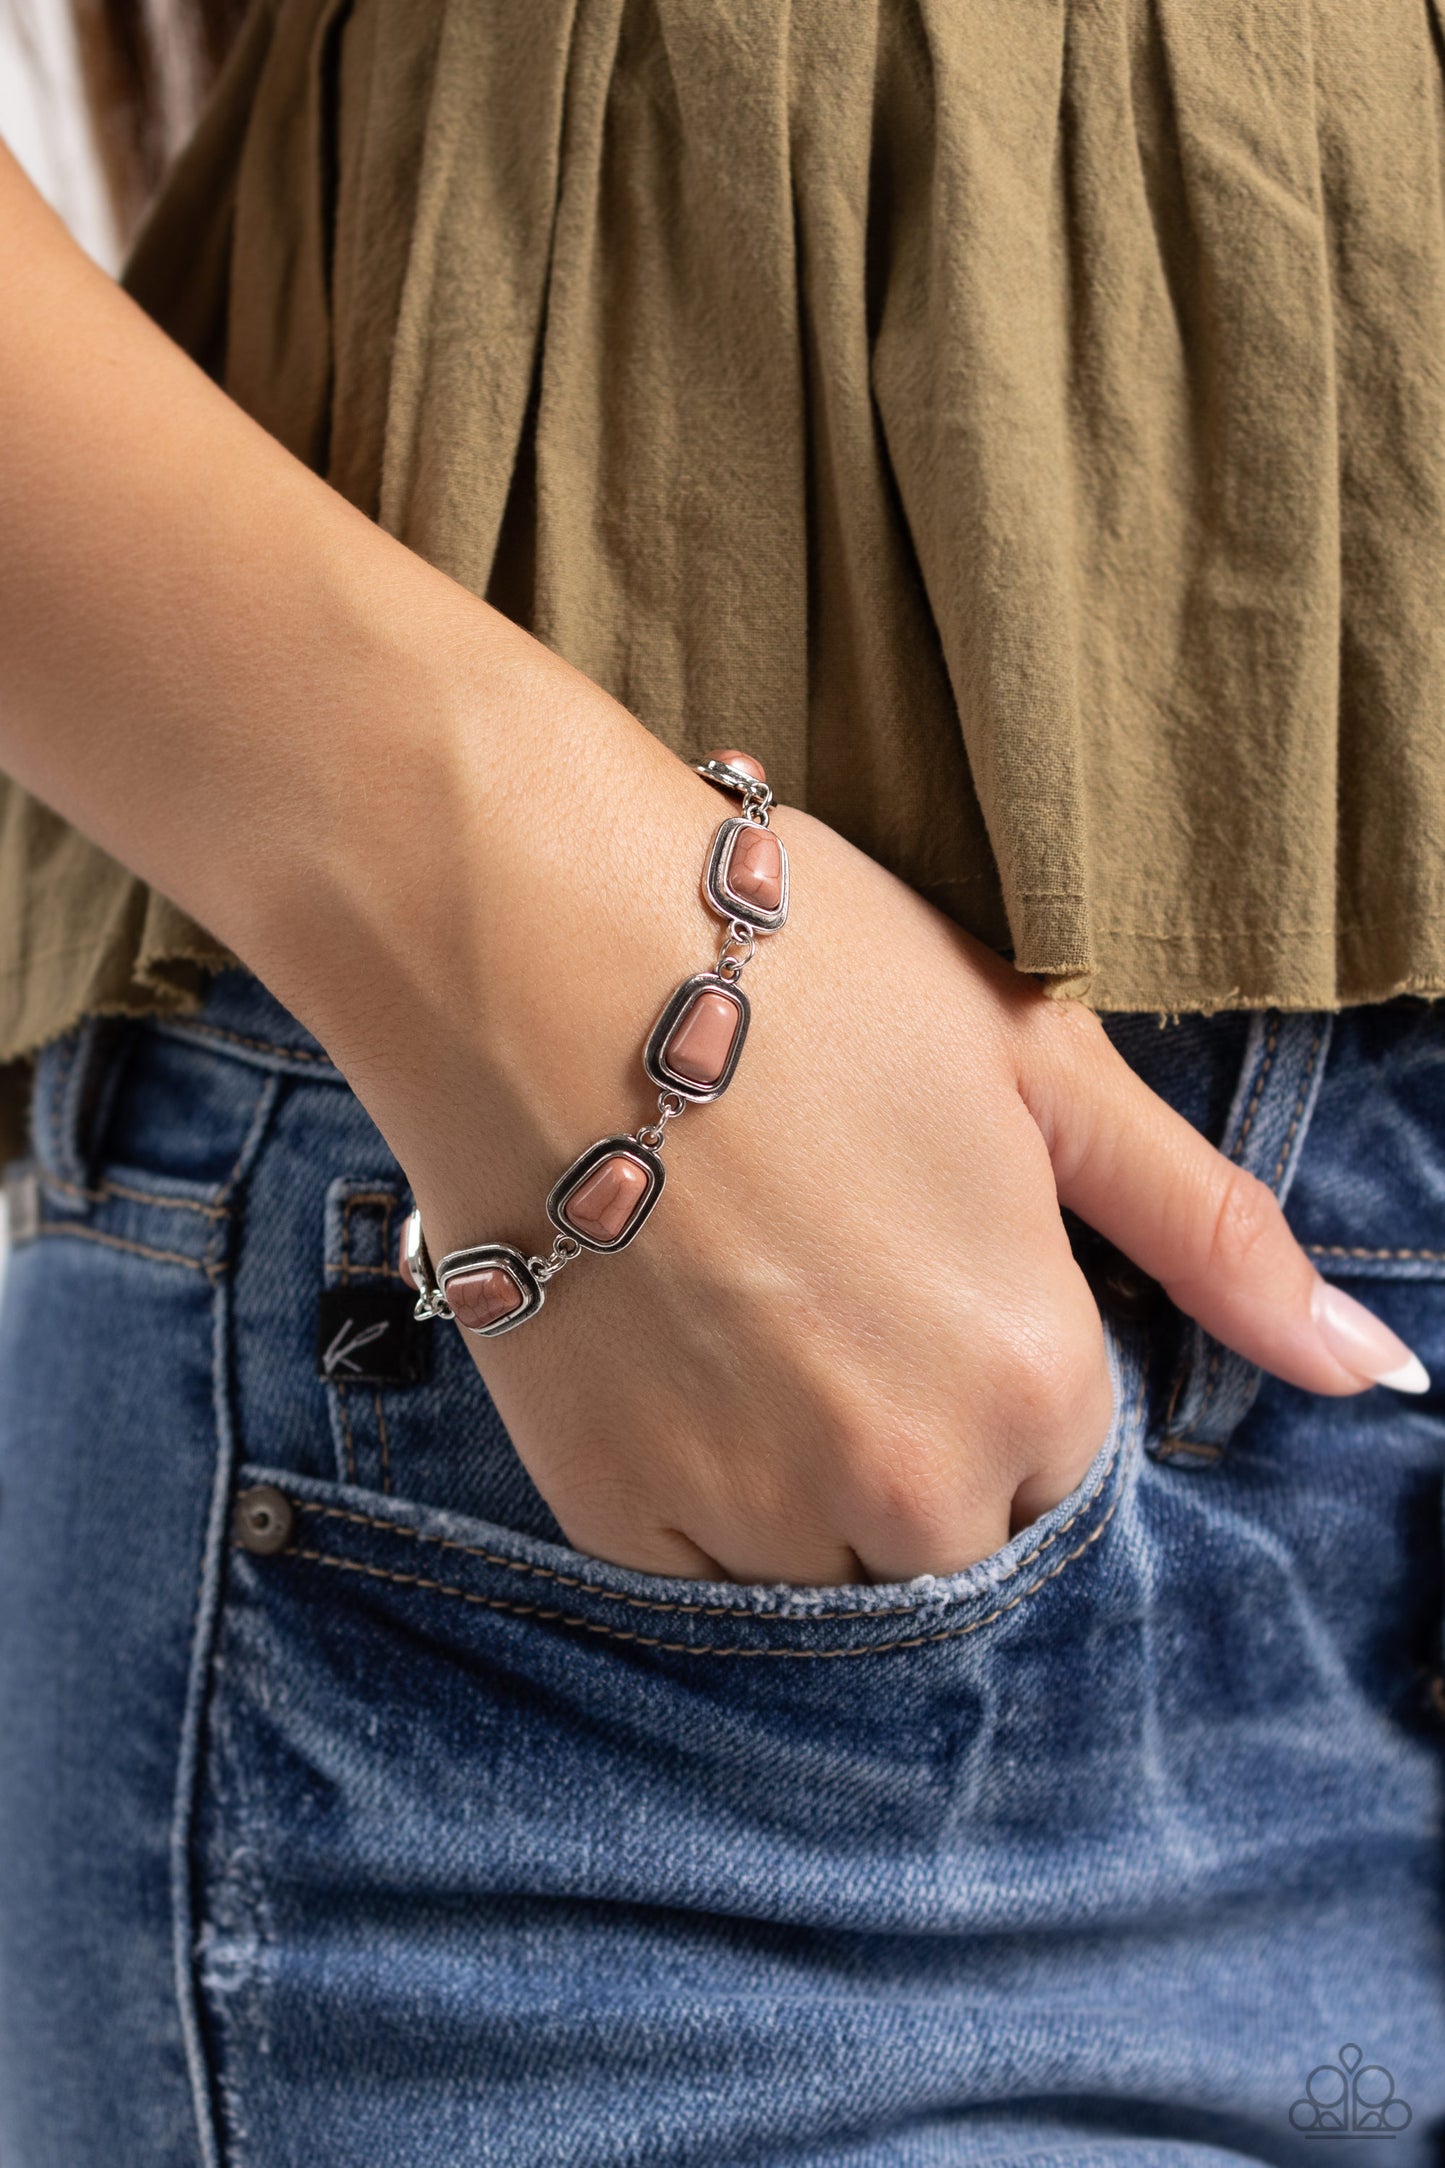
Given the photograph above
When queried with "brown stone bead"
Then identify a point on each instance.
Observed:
(745, 761)
(481, 1298)
(701, 1040)
(755, 869)
(601, 1206)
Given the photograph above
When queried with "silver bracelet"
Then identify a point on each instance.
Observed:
(603, 1198)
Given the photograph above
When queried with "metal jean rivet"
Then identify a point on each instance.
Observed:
(265, 1519)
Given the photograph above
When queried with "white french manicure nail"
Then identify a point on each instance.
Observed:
(1411, 1377)
(1364, 1343)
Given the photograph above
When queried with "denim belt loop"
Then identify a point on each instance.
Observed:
(1269, 1120)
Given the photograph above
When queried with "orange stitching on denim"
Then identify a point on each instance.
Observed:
(1171, 1449)
(107, 1188)
(709, 1648)
(137, 1249)
(650, 1603)
(1339, 1249)
(186, 1026)
(705, 1610)
(385, 1200)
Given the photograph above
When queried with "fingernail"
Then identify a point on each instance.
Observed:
(1364, 1343)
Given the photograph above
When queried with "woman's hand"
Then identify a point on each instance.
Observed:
(852, 1342)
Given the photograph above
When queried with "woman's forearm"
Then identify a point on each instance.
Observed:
(406, 815)
(176, 593)
(209, 661)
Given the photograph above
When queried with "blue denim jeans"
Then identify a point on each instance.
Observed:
(424, 1841)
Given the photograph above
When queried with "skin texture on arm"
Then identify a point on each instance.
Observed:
(475, 877)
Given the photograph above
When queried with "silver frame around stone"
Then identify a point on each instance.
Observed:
(568, 1180)
(513, 1262)
(718, 860)
(709, 982)
(737, 780)
(419, 1264)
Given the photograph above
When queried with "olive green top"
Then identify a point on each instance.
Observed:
(1022, 425)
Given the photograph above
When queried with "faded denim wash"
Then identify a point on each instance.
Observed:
(428, 1842)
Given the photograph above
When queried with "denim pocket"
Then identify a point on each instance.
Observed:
(431, 1559)
(434, 1444)
(464, 1789)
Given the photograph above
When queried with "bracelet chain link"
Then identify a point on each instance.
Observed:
(690, 1054)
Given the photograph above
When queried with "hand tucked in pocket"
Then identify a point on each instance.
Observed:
(852, 1342)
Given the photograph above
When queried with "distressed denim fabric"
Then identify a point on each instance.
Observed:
(428, 1842)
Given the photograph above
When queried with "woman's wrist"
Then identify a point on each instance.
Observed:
(506, 888)
(602, 1199)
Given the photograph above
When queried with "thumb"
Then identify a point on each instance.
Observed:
(1213, 1235)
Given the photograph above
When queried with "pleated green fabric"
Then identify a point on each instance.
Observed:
(1024, 426)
